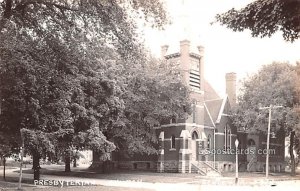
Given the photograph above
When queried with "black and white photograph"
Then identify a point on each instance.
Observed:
(149, 95)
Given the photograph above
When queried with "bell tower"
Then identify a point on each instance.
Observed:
(191, 66)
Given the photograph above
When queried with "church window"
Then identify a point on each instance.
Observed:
(227, 137)
(172, 142)
(208, 141)
(173, 120)
(194, 135)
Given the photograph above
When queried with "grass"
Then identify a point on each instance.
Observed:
(138, 176)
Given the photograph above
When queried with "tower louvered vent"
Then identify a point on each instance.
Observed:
(195, 79)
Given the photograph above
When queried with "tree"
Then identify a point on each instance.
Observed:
(297, 110)
(55, 80)
(265, 17)
(75, 75)
(34, 94)
(273, 84)
(154, 94)
(110, 20)
(52, 86)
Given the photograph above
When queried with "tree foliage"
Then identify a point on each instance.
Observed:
(110, 21)
(297, 95)
(265, 17)
(73, 75)
(55, 94)
(154, 93)
(273, 85)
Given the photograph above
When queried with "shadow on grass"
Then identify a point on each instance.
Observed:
(121, 175)
(7, 167)
(26, 182)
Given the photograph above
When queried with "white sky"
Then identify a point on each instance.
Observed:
(225, 50)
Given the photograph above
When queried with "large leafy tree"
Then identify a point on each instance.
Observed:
(154, 94)
(28, 100)
(265, 17)
(56, 97)
(74, 75)
(274, 84)
(54, 65)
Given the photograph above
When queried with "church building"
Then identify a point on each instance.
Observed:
(205, 142)
(198, 144)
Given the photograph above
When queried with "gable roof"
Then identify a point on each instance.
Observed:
(209, 92)
(223, 108)
(212, 111)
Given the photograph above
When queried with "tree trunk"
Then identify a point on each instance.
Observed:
(67, 161)
(293, 166)
(75, 162)
(4, 164)
(36, 165)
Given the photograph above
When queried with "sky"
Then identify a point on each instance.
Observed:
(225, 50)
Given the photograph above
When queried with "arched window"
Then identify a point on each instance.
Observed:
(227, 136)
(208, 141)
(172, 142)
(194, 135)
(229, 139)
(173, 120)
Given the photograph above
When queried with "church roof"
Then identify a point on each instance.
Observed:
(213, 105)
(209, 92)
(212, 110)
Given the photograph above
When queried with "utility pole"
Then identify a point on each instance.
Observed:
(268, 134)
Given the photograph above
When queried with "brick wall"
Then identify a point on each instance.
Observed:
(136, 165)
(171, 165)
